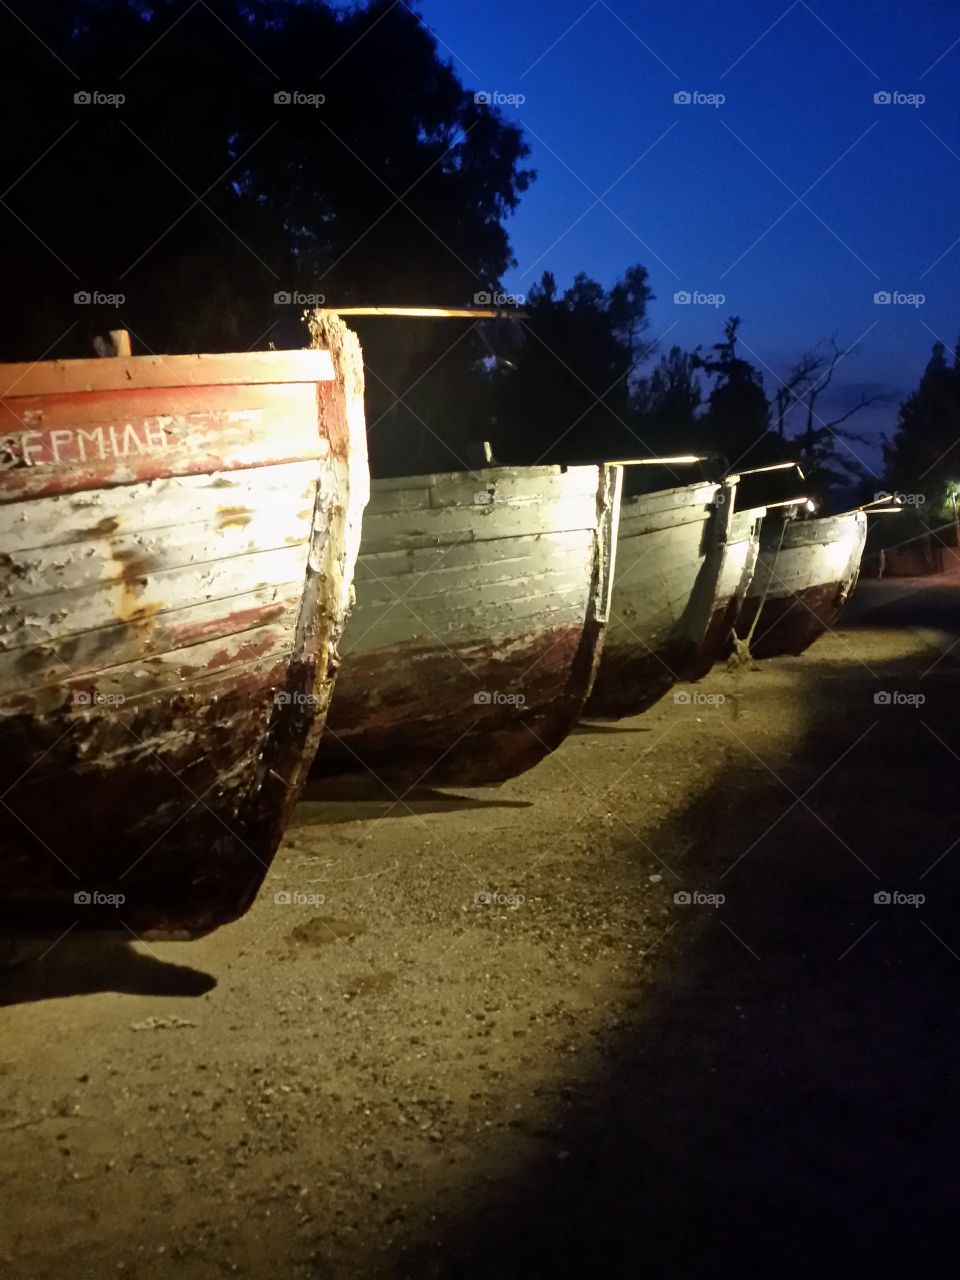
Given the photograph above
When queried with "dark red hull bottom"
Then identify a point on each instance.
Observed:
(174, 852)
(453, 718)
(791, 624)
(631, 681)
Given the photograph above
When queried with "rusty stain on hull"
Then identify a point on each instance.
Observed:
(476, 636)
(163, 687)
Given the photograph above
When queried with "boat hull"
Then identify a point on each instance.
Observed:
(179, 535)
(481, 603)
(739, 552)
(806, 571)
(684, 559)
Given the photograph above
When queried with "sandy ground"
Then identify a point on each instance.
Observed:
(573, 1074)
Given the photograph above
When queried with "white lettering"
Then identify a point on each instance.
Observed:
(96, 436)
(155, 435)
(32, 442)
(129, 434)
(58, 438)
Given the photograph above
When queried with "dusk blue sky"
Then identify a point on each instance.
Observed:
(701, 195)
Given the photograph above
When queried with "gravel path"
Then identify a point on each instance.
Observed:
(484, 1039)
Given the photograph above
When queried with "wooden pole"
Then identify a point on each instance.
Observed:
(432, 313)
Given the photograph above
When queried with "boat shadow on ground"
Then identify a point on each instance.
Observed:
(779, 1094)
(84, 964)
(600, 727)
(327, 802)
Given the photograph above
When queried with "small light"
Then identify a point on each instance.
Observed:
(659, 462)
(810, 506)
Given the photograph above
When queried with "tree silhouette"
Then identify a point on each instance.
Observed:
(566, 395)
(203, 197)
(924, 455)
(737, 420)
(666, 402)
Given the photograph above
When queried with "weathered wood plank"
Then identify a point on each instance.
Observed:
(157, 506)
(55, 377)
(484, 666)
(103, 651)
(83, 442)
(142, 593)
(445, 525)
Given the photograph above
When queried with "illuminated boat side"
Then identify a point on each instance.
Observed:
(481, 601)
(684, 560)
(178, 538)
(805, 572)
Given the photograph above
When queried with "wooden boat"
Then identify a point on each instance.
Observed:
(736, 546)
(481, 600)
(806, 570)
(178, 537)
(685, 558)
